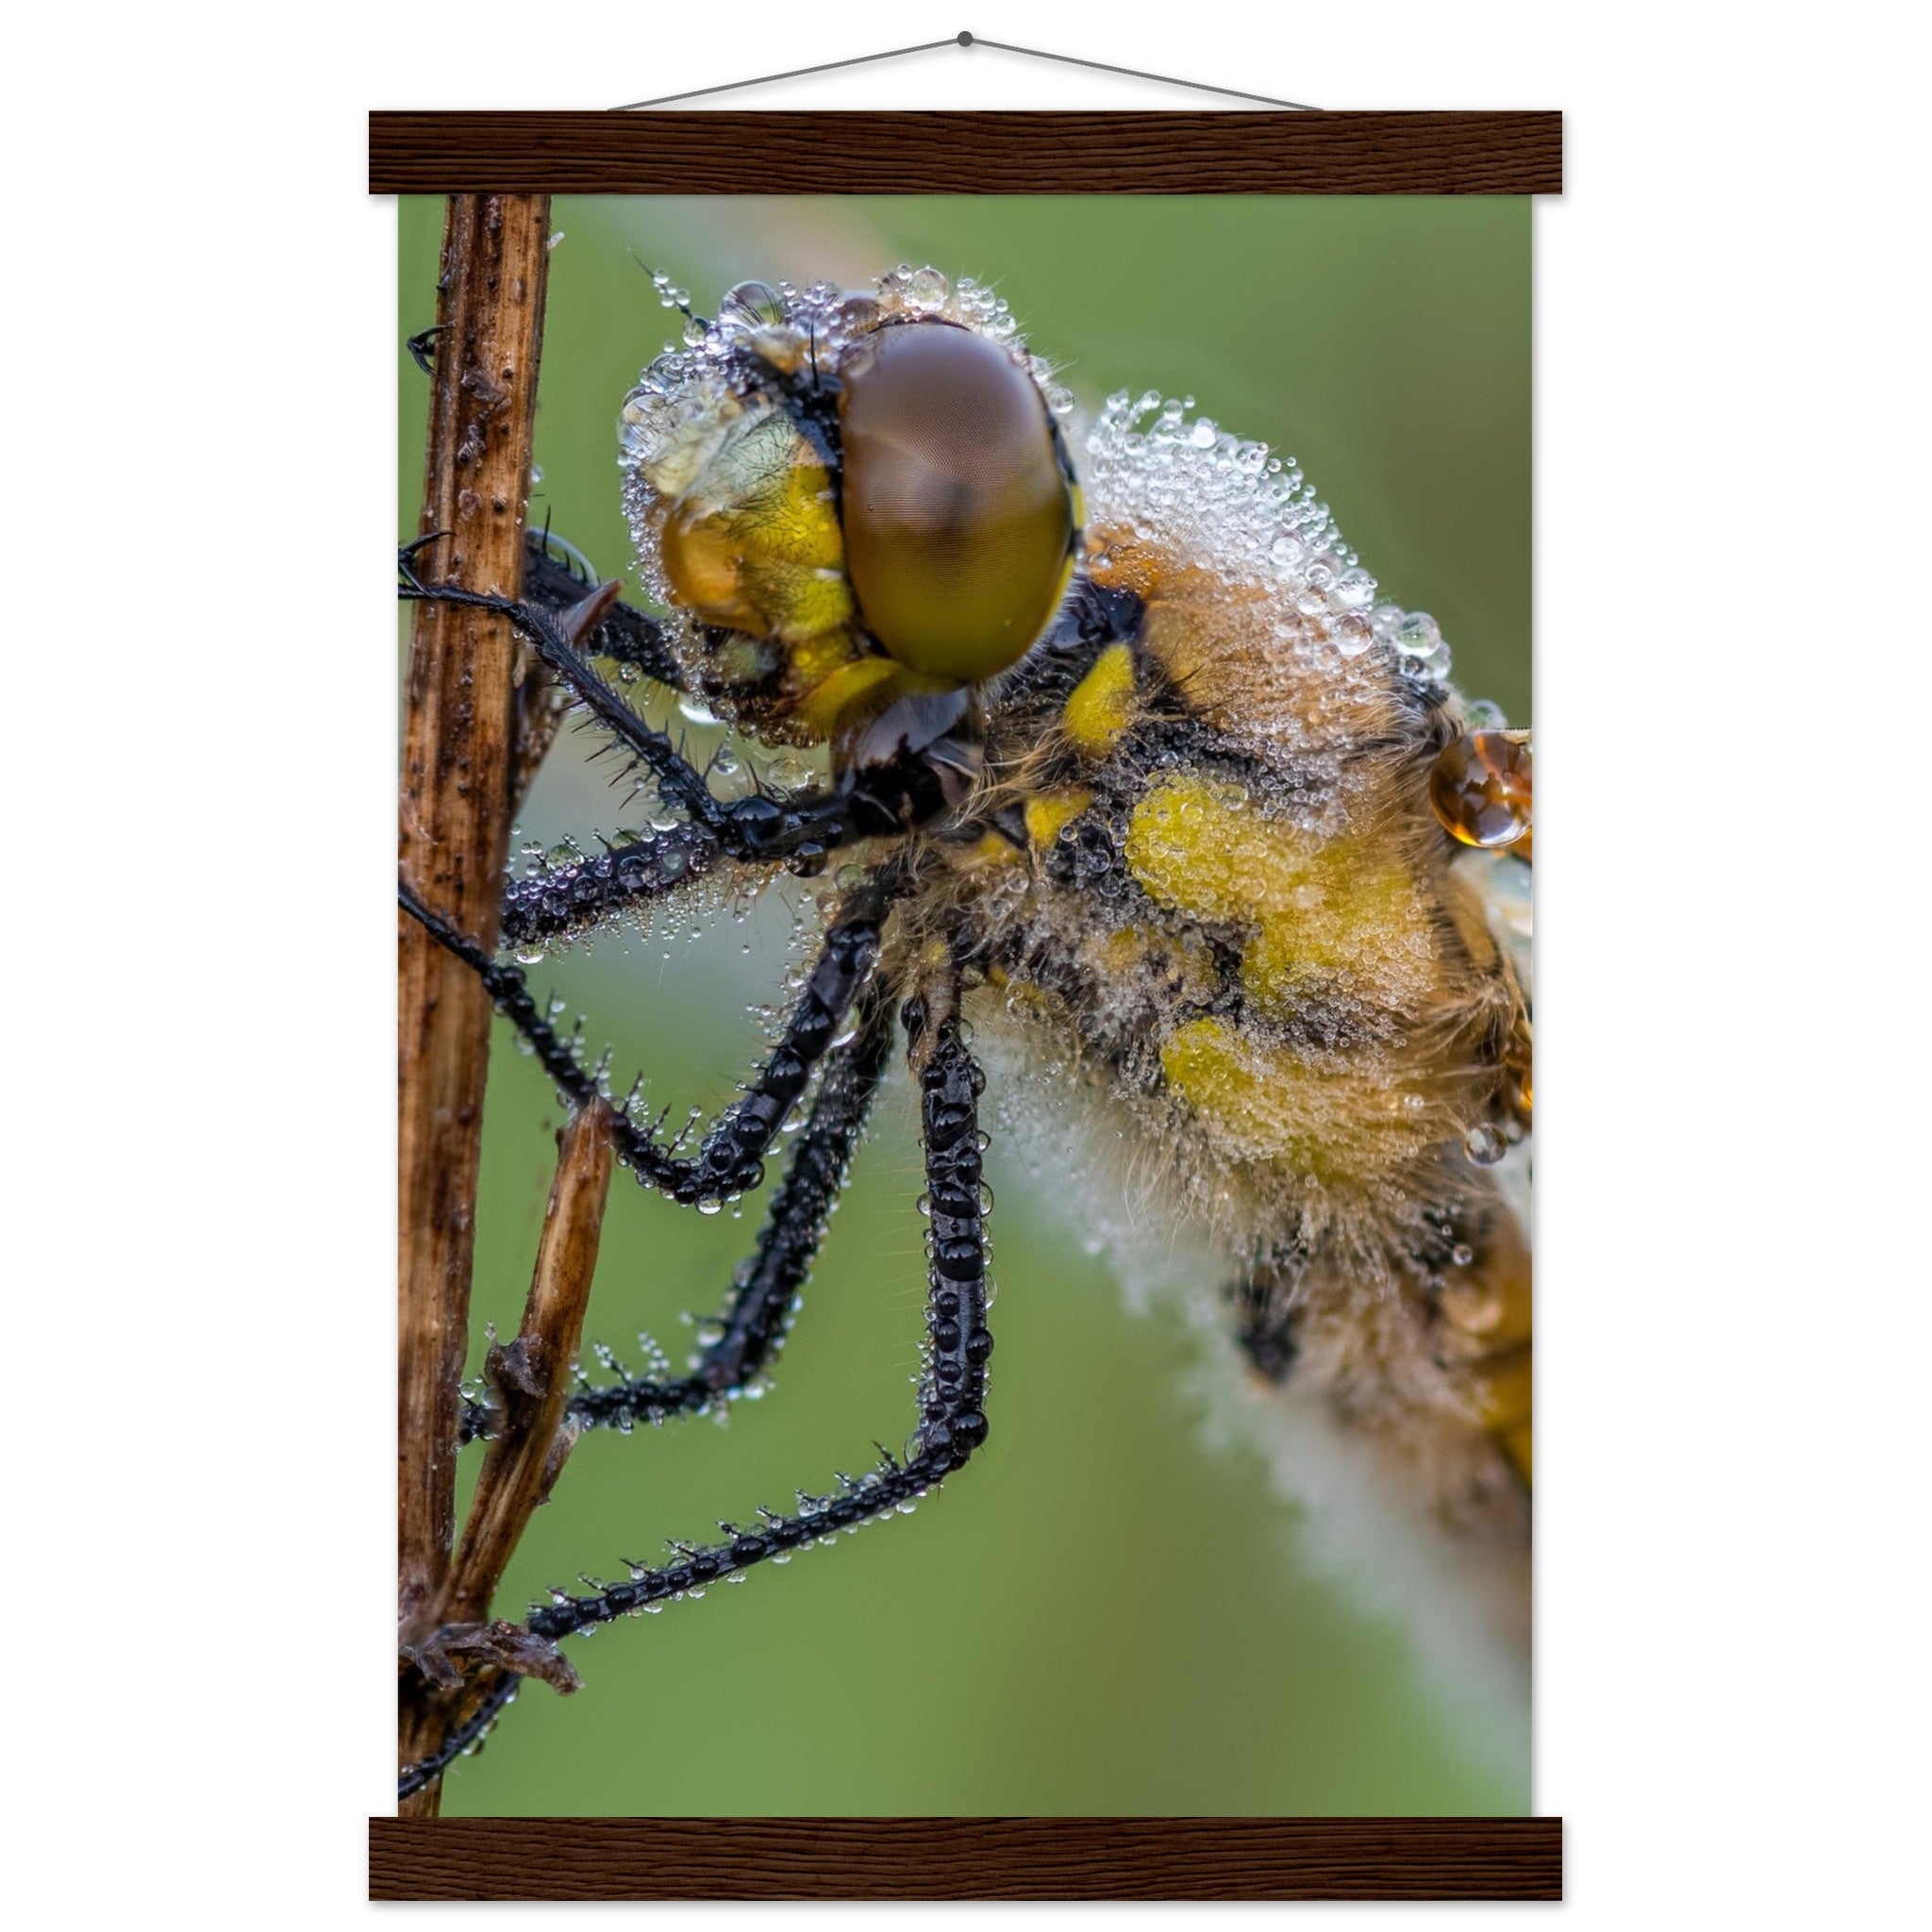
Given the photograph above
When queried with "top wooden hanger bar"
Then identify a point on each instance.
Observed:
(1087, 152)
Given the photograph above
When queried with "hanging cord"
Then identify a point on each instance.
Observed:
(965, 39)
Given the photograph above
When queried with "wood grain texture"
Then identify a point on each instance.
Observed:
(966, 154)
(966, 1858)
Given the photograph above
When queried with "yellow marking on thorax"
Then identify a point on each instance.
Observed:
(1101, 707)
(1320, 909)
(1324, 918)
(1049, 813)
(990, 849)
(1322, 1115)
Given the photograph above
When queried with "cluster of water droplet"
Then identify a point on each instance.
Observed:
(1416, 635)
(1160, 475)
(688, 914)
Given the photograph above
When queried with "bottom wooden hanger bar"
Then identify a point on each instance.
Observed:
(965, 1857)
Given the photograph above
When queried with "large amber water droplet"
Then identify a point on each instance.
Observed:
(1480, 788)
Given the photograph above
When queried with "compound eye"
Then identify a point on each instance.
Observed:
(960, 519)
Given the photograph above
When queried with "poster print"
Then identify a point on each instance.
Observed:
(1200, 724)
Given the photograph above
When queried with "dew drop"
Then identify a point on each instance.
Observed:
(926, 288)
(1355, 589)
(1480, 788)
(752, 304)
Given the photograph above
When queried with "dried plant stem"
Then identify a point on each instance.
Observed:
(458, 755)
(533, 1373)
(458, 1655)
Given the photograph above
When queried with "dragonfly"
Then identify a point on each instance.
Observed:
(1131, 779)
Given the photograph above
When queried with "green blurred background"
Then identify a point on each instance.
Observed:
(1103, 1614)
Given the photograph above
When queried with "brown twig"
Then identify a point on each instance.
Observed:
(532, 1376)
(458, 755)
(533, 1372)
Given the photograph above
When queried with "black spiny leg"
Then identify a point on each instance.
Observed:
(731, 1156)
(562, 618)
(462, 1737)
(621, 634)
(563, 899)
(951, 1392)
(753, 829)
(753, 1321)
